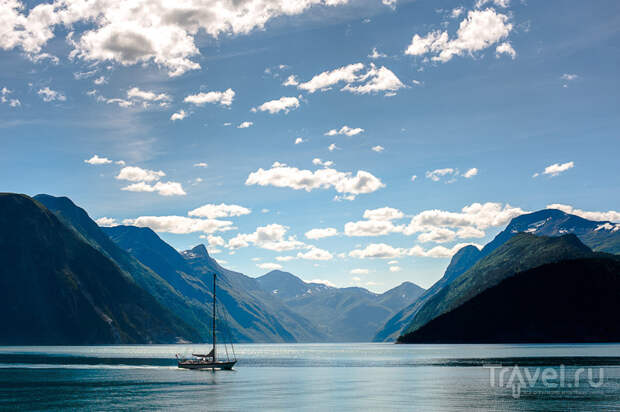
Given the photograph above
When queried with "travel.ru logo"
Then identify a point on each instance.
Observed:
(517, 378)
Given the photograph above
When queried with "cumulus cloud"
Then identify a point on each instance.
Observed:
(284, 104)
(327, 79)
(478, 31)
(159, 32)
(569, 77)
(479, 216)
(319, 162)
(270, 237)
(470, 173)
(499, 3)
(315, 253)
(291, 81)
(299, 140)
(332, 147)
(137, 93)
(213, 211)
(611, 215)
(395, 269)
(245, 125)
(322, 282)
(106, 222)
(378, 148)
(345, 130)
(321, 233)
(136, 174)
(375, 54)
(162, 188)
(224, 98)
(49, 95)
(269, 266)
(437, 174)
(359, 272)
(371, 228)
(281, 175)
(383, 213)
(505, 48)
(374, 80)
(557, 168)
(180, 224)
(180, 115)
(385, 251)
(96, 160)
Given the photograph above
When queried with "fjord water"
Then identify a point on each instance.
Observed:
(302, 377)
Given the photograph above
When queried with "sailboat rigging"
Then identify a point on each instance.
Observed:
(210, 360)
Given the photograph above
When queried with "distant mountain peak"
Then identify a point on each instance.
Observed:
(199, 251)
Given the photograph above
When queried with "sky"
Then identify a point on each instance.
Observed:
(355, 143)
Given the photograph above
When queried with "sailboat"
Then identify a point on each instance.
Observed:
(209, 360)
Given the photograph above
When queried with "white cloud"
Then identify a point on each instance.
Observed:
(393, 262)
(376, 80)
(359, 272)
(555, 169)
(106, 222)
(569, 77)
(162, 188)
(281, 175)
(215, 240)
(385, 251)
(224, 98)
(390, 3)
(96, 160)
(100, 80)
(505, 48)
(136, 174)
(414, 177)
(611, 215)
(478, 31)
(345, 130)
(285, 258)
(383, 213)
(375, 54)
(285, 104)
(291, 81)
(332, 147)
(213, 211)
(437, 174)
(437, 235)
(180, 115)
(270, 237)
(500, 3)
(148, 31)
(378, 148)
(269, 266)
(319, 162)
(456, 12)
(371, 228)
(299, 140)
(315, 253)
(245, 125)
(201, 164)
(321, 233)
(470, 173)
(136, 93)
(477, 215)
(395, 269)
(49, 95)
(327, 79)
(180, 224)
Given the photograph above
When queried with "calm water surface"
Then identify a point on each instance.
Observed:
(312, 377)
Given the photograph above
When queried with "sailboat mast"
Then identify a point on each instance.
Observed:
(214, 338)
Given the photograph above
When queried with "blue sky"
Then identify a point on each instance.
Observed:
(497, 107)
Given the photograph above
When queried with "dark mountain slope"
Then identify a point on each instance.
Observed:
(522, 252)
(57, 289)
(168, 288)
(460, 262)
(568, 301)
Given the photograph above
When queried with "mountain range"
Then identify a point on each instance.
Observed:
(601, 236)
